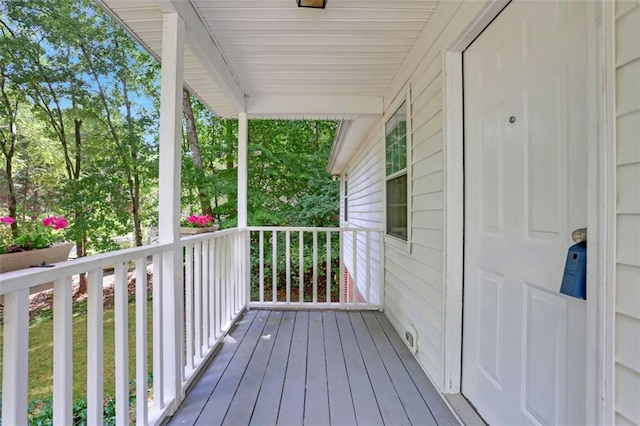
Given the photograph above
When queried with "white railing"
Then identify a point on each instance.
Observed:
(187, 325)
(301, 267)
(200, 287)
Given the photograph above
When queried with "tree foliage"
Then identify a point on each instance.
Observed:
(78, 136)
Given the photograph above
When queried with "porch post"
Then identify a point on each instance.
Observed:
(243, 133)
(169, 206)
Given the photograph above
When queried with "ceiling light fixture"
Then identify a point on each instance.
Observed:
(315, 4)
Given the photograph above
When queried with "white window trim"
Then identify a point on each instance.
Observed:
(395, 241)
(344, 198)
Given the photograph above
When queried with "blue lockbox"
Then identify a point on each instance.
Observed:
(574, 281)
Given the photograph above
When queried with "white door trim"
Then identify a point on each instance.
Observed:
(601, 207)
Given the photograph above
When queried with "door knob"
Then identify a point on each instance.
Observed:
(579, 235)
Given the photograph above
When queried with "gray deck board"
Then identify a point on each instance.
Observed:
(441, 412)
(268, 403)
(196, 399)
(293, 393)
(216, 408)
(245, 398)
(364, 400)
(316, 402)
(313, 368)
(388, 401)
(341, 403)
(416, 409)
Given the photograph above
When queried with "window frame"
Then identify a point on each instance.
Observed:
(345, 198)
(396, 106)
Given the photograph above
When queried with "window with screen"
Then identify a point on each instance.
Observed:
(396, 173)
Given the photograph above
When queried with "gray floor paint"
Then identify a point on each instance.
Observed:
(313, 368)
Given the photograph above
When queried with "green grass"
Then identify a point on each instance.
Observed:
(41, 351)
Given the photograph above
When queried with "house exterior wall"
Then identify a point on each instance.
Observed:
(414, 277)
(627, 321)
(365, 205)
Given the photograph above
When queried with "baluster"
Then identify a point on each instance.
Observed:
(197, 302)
(188, 286)
(328, 274)
(274, 266)
(142, 369)
(288, 258)
(315, 267)
(158, 357)
(95, 348)
(120, 305)
(301, 264)
(261, 265)
(354, 282)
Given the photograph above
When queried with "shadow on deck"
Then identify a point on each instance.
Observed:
(313, 368)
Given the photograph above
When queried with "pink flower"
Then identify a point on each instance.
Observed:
(200, 220)
(60, 223)
(7, 219)
(55, 222)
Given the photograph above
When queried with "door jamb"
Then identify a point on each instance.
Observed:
(601, 207)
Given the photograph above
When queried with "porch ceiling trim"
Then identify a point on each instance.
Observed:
(348, 138)
(344, 107)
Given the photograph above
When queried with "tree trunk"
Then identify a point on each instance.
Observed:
(8, 155)
(8, 145)
(134, 179)
(194, 147)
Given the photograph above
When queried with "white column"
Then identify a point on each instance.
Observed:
(243, 176)
(169, 206)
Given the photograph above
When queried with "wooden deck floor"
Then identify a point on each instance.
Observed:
(313, 368)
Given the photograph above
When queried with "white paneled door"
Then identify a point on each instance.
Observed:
(525, 95)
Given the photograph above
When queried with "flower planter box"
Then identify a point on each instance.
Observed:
(185, 230)
(25, 259)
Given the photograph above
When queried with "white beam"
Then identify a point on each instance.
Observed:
(348, 106)
(203, 46)
(169, 201)
(243, 176)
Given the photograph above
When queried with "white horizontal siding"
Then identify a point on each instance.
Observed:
(365, 207)
(627, 344)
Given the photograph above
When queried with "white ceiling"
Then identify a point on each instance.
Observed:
(253, 54)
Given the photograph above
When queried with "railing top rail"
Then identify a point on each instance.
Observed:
(312, 229)
(25, 278)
